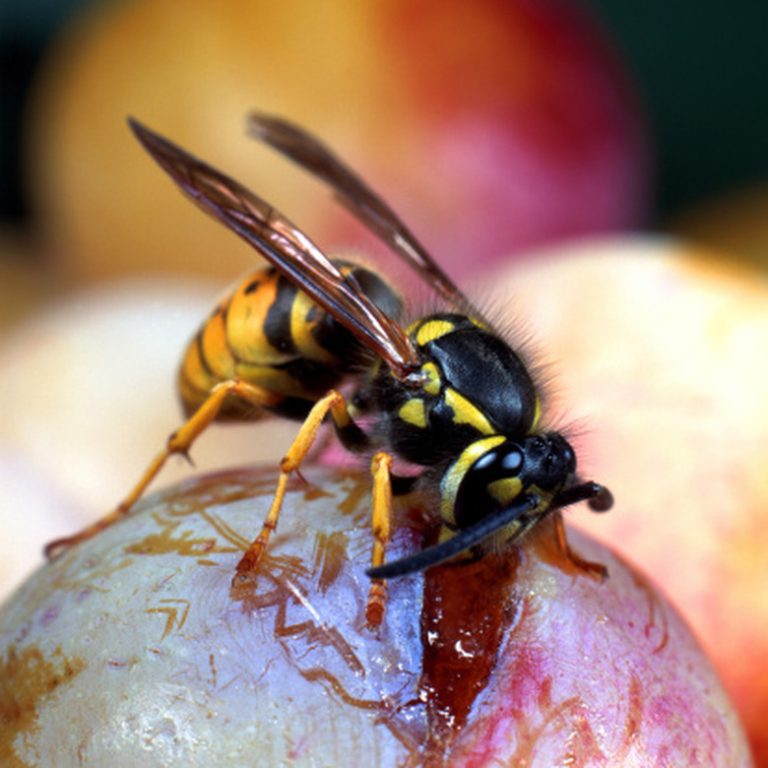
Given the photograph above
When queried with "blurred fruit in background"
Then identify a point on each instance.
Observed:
(490, 125)
(659, 363)
(23, 286)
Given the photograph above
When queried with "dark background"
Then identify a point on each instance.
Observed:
(700, 66)
(26, 28)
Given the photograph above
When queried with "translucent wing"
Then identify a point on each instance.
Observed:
(310, 153)
(286, 247)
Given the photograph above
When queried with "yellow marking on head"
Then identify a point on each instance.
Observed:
(514, 530)
(412, 412)
(431, 330)
(449, 485)
(545, 496)
(536, 414)
(431, 375)
(479, 324)
(465, 412)
(448, 533)
(506, 489)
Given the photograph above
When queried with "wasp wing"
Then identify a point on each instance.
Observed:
(286, 247)
(311, 154)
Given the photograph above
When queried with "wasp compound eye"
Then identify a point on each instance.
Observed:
(490, 483)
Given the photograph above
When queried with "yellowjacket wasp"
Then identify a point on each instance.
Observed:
(446, 394)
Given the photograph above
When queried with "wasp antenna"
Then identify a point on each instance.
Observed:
(600, 499)
(462, 541)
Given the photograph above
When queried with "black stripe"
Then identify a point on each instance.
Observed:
(277, 323)
(340, 342)
(295, 408)
(201, 354)
(315, 377)
(252, 286)
(353, 438)
(402, 484)
(225, 320)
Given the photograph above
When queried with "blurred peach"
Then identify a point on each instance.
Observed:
(660, 355)
(490, 125)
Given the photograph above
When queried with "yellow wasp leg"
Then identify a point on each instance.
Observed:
(381, 524)
(179, 442)
(332, 403)
(595, 570)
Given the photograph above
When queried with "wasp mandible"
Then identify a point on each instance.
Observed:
(446, 394)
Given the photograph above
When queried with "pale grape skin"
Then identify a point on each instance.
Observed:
(134, 648)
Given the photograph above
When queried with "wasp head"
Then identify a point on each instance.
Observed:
(539, 466)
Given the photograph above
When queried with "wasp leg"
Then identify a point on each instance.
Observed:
(595, 570)
(332, 403)
(179, 442)
(381, 522)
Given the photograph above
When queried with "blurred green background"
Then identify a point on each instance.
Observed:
(26, 29)
(700, 68)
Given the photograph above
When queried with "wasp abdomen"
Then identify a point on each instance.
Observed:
(269, 334)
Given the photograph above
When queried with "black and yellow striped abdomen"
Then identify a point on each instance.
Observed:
(271, 335)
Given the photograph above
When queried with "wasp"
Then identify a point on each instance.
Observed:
(446, 394)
